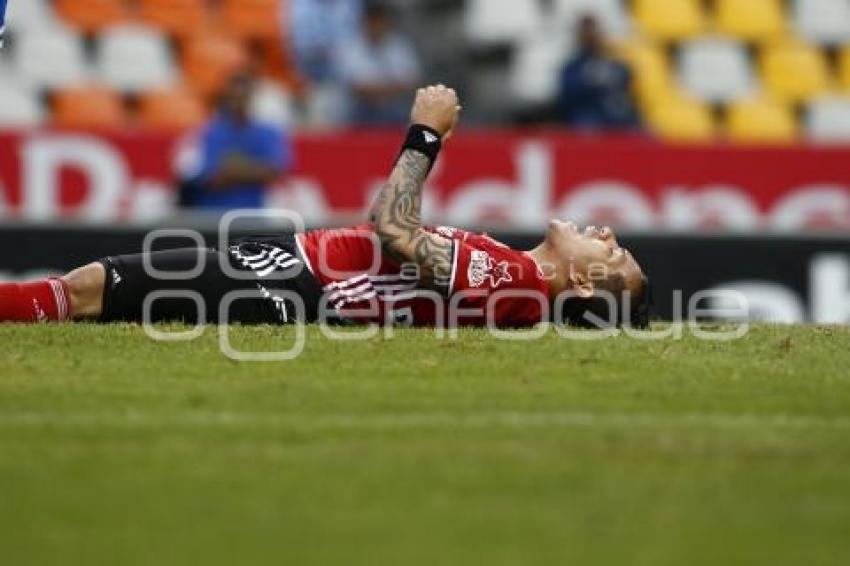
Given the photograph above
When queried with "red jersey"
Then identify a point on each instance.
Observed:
(488, 279)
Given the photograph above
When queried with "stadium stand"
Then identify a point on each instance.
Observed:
(756, 62)
(610, 13)
(493, 22)
(180, 18)
(209, 60)
(751, 20)
(19, 108)
(828, 119)
(680, 118)
(716, 70)
(760, 120)
(51, 58)
(670, 20)
(134, 58)
(795, 71)
(88, 108)
(251, 19)
(92, 16)
(170, 110)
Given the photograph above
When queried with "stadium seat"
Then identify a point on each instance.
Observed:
(751, 20)
(30, 16)
(610, 13)
(19, 107)
(828, 119)
(681, 119)
(88, 108)
(91, 16)
(794, 71)
(494, 22)
(252, 19)
(536, 67)
(670, 20)
(181, 18)
(208, 62)
(650, 68)
(273, 105)
(171, 110)
(717, 70)
(51, 58)
(760, 120)
(134, 58)
(844, 68)
(823, 21)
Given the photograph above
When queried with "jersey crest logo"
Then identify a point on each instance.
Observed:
(483, 267)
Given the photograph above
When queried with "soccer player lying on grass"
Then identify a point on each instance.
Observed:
(391, 271)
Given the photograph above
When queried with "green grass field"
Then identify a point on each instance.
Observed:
(115, 449)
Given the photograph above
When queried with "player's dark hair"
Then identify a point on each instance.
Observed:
(633, 308)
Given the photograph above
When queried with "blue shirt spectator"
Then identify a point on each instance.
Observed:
(317, 29)
(595, 90)
(379, 69)
(240, 158)
(2, 20)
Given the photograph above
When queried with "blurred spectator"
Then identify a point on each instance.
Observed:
(239, 157)
(318, 28)
(379, 69)
(2, 20)
(595, 89)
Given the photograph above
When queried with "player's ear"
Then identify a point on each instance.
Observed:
(582, 285)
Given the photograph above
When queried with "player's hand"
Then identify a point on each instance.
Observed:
(437, 107)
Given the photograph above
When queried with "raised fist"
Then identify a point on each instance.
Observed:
(436, 107)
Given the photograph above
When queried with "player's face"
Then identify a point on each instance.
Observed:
(594, 252)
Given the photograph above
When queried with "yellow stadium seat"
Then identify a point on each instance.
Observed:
(681, 119)
(761, 121)
(751, 20)
(670, 20)
(844, 68)
(650, 68)
(794, 71)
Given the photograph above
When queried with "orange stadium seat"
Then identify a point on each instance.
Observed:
(681, 119)
(761, 120)
(795, 71)
(172, 110)
(752, 20)
(208, 61)
(844, 68)
(670, 20)
(87, 108)
(252, 19)
(650, 67)
(91, 15)
(182, 18)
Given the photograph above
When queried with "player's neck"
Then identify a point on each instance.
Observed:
(548, 261)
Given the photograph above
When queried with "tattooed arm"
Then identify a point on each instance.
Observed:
(397, 212)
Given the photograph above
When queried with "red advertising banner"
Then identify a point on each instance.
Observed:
(487, 178)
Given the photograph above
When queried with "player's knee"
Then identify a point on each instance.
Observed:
(85, 285)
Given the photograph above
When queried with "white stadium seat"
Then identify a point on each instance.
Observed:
(828, 119)
(30, 15)
(19, 107)
(536, 67)
(717, 70)
(51, 58)
(610, 13)
(823, 21)
(135, 58)
(273, 105)
(494, 22)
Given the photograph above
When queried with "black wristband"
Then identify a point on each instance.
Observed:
(425, 140)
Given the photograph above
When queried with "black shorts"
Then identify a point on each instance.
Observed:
(260, 280)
